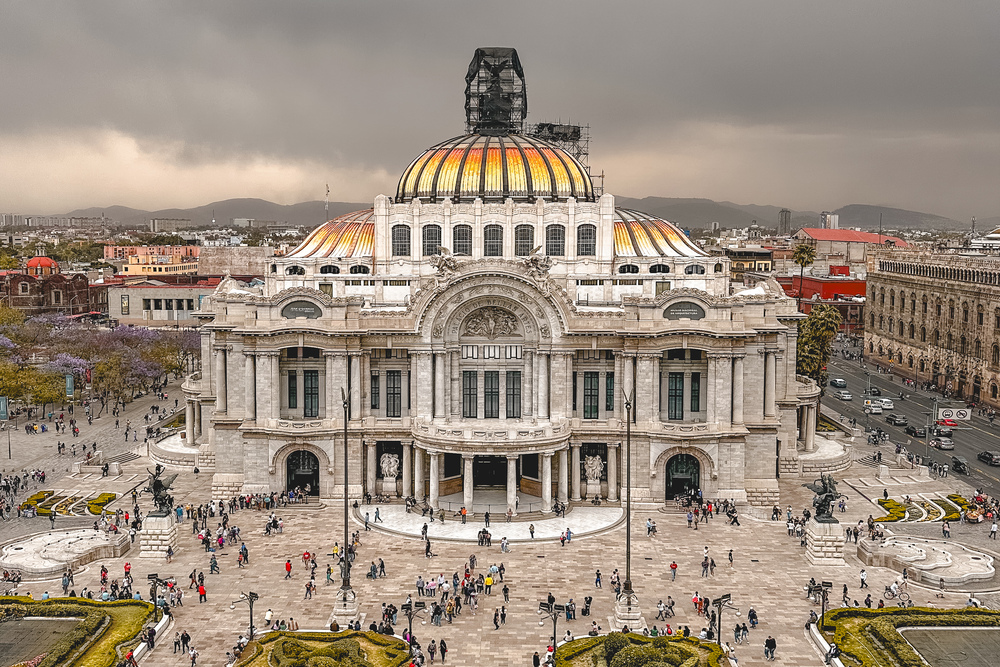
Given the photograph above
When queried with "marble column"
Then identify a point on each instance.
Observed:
(275, 361)
(221, 390)
(407, 470)
(197, 419)
(419, 488)
(612, 472)
(370, 475)
(189, 422)
(528, 385)
(455, 402)
(512, 483)
(251, 387)
(467, 481)
(575, 471)
(355, 388)
(738, 390)
(546, 482)
(724, 400)
(543, 386)
(811, 429)
(435, 479)
(333, 401)
(564, 476)
(656, 390)
(439, 384)
(711, 415)
(686, 406)
(769, 383)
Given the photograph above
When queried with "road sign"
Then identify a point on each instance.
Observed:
(961, 414)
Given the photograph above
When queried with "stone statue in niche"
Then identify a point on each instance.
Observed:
(390, 468)
(491, 322)
(593, 466)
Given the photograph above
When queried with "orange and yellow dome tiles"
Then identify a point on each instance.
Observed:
(495, 168)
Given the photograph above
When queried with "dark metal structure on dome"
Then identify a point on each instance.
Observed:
(496, 102)
(574, 139)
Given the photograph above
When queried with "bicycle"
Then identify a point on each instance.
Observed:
(890, 595)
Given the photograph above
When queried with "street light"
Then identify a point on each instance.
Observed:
(248, 599)
(552, 611)
(346, 592)
(413, 609)
(723, 602)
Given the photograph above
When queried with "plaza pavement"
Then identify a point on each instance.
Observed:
(769, 573)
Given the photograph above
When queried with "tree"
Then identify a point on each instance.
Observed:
(804, 255)
(44, 388)
(816, 334)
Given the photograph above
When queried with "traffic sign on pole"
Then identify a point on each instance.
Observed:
(960, 414)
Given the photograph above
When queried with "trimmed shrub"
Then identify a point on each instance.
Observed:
(613, 644)
(896, 511)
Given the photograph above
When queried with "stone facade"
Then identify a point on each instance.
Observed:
(158, 534)
(935, 317)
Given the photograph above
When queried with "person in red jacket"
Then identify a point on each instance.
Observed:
(288, 569)
(201, 593)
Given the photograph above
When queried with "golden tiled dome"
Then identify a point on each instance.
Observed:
(641, 235)
(493, 168)
(350, 235)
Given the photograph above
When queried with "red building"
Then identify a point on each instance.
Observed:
(838, 289)
(43, 288)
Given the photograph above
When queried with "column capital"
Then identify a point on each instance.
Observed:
(334, 353)
(548, 454)
(614, 445)
(512, 457)
(467, 457)
(576, 445)
(268, 353)
(649, 356)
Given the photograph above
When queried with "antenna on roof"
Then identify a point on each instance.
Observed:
(326, 207)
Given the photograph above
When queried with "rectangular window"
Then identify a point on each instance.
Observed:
(157, 304)
(169, 303)
(662, 286)
(375, 391)
(393, 393)
(147, 304)
(609, 393)
(513, 352)
(190, 304)
(293, 391)
(326, 288)
(470, 395)
(695, 392)
(513, 394)
(124, 304)
(491, 351)
(310, 387)
(675, 396)
(491, 395)
(470, 351)
(591, 394)
(574, 391)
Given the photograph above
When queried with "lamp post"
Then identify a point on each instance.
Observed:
(627, 611)
(723, 602)
(347, 594)
(413, 609)
(552, 611)
(824, 591)
(248, 599)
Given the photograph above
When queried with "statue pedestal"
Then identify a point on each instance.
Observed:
(593, 488)
(627, 613)
(387, 487)
(825, 543)
(345, 608)
(158, 533)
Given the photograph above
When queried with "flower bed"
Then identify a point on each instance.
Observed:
(896, 511)
(325, 649)
(96, 506)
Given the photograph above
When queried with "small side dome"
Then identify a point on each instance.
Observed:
(350, 235)
(42, 266)
(642, 235)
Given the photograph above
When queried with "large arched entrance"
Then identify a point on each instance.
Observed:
(302, 469)
(683, 475)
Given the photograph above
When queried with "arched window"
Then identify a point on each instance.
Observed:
(881, 322)
(923, 334)
(965, 314)
(628, 268)
(524, 240)
(923, 366)
(586, 241)
(555, 240)
(950, 344)
(977, 349)
(881, 298)
(901, 329)
(995, 357)
(493, 241)
(659, 268)
(871, 319)
(327, 269)
(694, 269)
(892, 299)
(909, 361)
(912, 330)
(924, 305)
(902, 302)
(937, 337)
(432, 240)
(899, 358)
(295, 270)
(980, 315)
(951, 310)
(937, 308)
(400, 241)
(461, 240)
(360, 268)
(993, 391)
(274, 268)
(718, 267)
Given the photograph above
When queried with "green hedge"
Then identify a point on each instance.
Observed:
(342, 648)
(880, 635)
(635, 650)
(96, 506)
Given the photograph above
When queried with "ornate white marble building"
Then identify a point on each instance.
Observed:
(485, 324)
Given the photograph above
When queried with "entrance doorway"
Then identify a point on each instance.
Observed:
(302, 468)
(489, 471)
(683, 475)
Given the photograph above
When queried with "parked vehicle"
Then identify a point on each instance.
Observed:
(942, 443)
(960, 464)
(843, 395)
(887, 404)
(897, 420)
(916, 431)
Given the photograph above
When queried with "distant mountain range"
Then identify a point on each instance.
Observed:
(687, 213)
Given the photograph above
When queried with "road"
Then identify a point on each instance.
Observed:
(971, 437)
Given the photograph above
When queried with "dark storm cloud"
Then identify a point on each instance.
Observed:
(879, 100)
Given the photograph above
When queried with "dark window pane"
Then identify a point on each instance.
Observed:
(393, 393)
(401, 241)
(586, 241)
(432, 240)
(555, 240)
(695, 392)
(470, 391)
(609, 398)
(493, 241)
(461, 237)
(293, 390)
(310, 387)
(491, 394)
(675, 396)
(375, 391)
(513, 394)
(524, 240)
(591, 394)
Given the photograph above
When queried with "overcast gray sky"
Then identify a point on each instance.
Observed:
(810, 105)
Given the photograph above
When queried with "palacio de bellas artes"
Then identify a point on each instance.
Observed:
(486, 330)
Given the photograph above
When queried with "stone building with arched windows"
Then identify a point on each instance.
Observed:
(477, 334)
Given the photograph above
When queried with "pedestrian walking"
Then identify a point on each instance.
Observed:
(993, 531)
(531, 529)
(673, 571)
(730, 558)
(864, 578)
(770, 646)
(288, 569)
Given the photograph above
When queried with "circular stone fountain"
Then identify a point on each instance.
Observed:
(48, 555)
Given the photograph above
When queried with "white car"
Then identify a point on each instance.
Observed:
(874, 409)
(843, 395)
(886, 403)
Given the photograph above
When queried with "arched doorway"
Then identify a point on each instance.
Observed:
(683, 475)
(302, 468)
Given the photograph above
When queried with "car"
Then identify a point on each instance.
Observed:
(839, 383)
(942, 432)
(942, 443)
(843, 395)
(897, 419)
(992, 458)
(946, 422)
(916, 431)
(873, 409)
(874, 391)
(887, 403)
